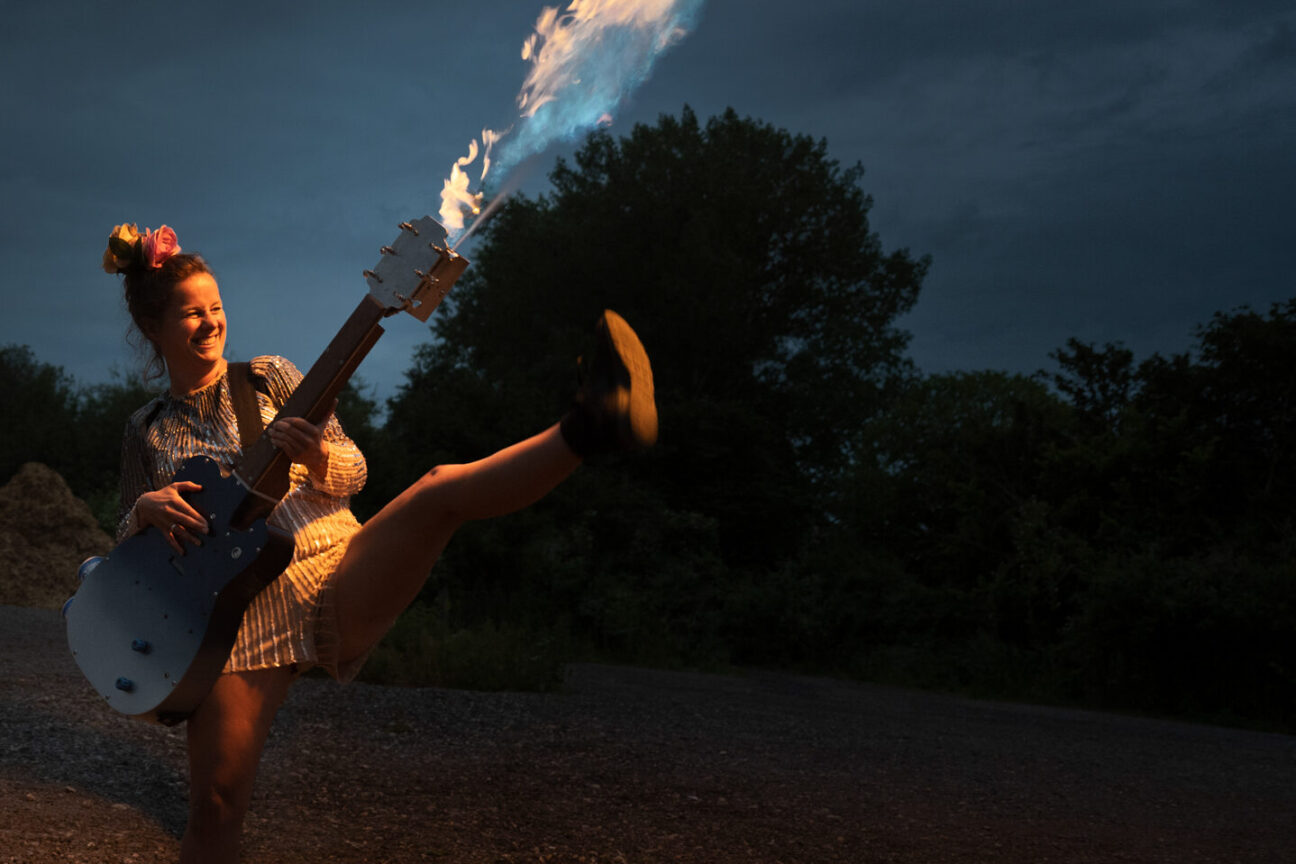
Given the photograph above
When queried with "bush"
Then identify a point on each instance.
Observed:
(1208, 638)
(422, 651)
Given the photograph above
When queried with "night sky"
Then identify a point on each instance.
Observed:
(1114, 170)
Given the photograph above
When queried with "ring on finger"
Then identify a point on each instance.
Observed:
(175, 526)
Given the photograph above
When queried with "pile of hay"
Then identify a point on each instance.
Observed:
(45, 533)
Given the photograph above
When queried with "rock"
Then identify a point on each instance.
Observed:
(45, 533)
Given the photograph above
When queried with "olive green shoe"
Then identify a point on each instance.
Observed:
(614, 410)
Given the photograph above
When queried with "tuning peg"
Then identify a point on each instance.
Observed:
(369, 274)
(387, 250)
(405, 226)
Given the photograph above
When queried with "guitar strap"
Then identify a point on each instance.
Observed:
(246, 409)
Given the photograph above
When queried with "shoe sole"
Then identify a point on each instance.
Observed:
(635, 405)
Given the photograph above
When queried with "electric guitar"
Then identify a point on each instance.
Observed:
(152, 629)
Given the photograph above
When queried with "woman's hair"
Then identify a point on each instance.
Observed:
(148, 291)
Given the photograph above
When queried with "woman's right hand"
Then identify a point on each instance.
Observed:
(168, 512)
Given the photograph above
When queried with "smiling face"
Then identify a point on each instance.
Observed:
(191, 334)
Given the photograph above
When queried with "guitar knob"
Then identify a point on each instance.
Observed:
(125, 685)
(86, 566)
(140, 645)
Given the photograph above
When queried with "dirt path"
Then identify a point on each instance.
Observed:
(631, 765)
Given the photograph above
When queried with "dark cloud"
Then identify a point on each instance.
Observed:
(1107, 170)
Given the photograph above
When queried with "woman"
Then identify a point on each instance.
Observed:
(347, 583)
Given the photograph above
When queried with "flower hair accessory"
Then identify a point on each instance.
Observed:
(129, 250)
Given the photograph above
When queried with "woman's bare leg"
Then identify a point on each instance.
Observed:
(225, 738)
(390, 557)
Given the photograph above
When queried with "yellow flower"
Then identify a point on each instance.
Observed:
(123, 245)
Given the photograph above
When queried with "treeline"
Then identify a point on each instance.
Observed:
(75, 429)
(1106, 532)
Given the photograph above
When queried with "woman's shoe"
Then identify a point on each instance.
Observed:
(614, 410)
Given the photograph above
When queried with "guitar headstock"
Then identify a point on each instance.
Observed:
(417, 270)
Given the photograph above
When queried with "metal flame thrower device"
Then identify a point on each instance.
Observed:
(390, 279)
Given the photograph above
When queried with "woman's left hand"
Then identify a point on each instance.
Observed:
(302, 441)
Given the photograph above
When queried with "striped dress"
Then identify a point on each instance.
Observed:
(292, 621)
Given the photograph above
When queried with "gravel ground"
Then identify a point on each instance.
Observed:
(632, 765)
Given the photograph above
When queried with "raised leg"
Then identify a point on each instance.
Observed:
(225, 736)
(391, 556)
(389, 559)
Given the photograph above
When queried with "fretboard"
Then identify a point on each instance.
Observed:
(264, 467)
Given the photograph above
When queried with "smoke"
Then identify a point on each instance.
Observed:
(584, 63)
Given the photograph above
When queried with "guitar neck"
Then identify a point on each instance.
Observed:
(264, 468)
(413, 275)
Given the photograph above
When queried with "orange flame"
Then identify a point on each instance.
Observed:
(455, 197)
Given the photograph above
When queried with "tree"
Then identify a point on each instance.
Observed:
(93, 467)
(954, 458)
(40, 408)
(74, 430)
(1218, 428)
(1099, 382)
(743, 256)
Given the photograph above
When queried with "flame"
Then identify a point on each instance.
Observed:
(489, 137)
(584, 63)
(455, 196)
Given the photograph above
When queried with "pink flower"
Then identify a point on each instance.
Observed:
(159, 245)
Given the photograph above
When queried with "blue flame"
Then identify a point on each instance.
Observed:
(608, 64)
(584, 63)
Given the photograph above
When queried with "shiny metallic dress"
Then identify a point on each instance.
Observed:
(292, 621)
